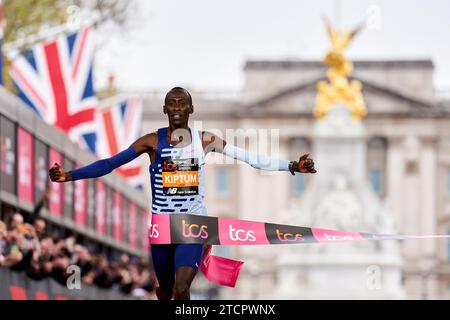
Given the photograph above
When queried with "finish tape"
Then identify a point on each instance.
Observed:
(187, 228)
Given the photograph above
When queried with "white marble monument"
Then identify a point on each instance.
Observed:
(340, 197)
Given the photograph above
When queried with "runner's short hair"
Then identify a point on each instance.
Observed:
(180, 89)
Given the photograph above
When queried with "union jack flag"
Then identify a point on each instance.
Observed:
(55, 80)
(119, 125)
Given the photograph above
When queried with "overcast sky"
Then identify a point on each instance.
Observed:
(203, 44)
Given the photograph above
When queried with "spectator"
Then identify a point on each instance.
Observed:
(125, 280)
(11, 254)
(39, 226)
(124, 260)
(83, 259)
(104, 276)
(3, 242)
(41, 264)
(15, 220)
(28, 244)
(60, 263)
(35, 219)
(70, 242)
(89, 277)
(26, 247)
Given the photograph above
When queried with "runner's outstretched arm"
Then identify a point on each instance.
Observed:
(104, 166)
(213, 143)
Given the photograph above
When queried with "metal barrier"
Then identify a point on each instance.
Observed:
(17, 286)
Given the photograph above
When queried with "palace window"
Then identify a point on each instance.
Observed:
(377, 180)
(223, 181)
(376, 164)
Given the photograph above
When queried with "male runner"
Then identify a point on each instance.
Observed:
(177, 155)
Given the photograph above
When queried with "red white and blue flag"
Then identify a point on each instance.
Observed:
(55, 80)
(119, 125)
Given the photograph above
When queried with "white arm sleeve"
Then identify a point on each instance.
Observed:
(256, 160)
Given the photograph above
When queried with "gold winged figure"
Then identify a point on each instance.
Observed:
(337, 88)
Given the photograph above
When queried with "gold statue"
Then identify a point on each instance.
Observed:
(338, 88)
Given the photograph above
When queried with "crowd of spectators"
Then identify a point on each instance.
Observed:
(26, 247)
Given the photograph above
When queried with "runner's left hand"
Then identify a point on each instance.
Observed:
(305, 165)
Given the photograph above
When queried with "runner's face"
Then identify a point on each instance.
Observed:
(178, 107)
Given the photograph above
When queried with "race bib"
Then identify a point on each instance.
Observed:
(180, 176)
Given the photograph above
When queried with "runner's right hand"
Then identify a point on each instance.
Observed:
(57, 174)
